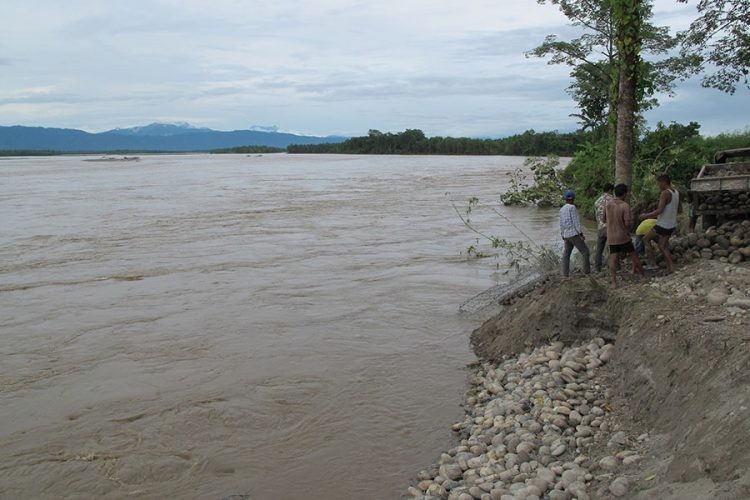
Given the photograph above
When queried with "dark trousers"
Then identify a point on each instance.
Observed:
(580, 245)
(601, 244)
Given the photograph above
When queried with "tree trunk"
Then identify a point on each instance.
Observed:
(626, 109)
(629, 18)
(612, 120)
(614, 87)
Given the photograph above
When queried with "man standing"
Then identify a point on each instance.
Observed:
(618, 220)
(572, 234)
(666, 222)
(601, 237)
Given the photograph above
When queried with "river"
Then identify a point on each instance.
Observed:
(201, 326)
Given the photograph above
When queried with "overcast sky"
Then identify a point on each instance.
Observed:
(449, 67)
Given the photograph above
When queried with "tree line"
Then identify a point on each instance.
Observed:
(248, 150)
(415, 142)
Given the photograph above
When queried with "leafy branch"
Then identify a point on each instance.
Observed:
(519, 254)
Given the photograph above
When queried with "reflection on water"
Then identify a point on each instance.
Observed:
(200, 326)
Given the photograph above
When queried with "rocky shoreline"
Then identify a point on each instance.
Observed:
(532, 429)
(583, 392)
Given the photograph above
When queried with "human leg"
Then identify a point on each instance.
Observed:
(612, 261)
(637, 267)
(601, 242)
(581, 246)
(567, 250)
(664, 247)
(650, 236)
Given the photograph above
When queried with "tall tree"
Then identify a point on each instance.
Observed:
(593, 57)
(629, 19)
(720, 38)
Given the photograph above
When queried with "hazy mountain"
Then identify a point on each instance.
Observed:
(153, 137)
(159, 130)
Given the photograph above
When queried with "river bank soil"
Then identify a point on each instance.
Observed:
(584, 391)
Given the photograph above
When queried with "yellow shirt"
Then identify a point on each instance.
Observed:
(645, 226)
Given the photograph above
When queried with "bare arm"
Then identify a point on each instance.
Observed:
(664, 200)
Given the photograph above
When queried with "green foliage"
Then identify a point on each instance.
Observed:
(590, 91)
(728, 140)
(594, 56)
(248, 150)
(28, 152)
(546, 190)
(414, 142)
(720, 38)
(519, 254)
(676, 149)
(587, 173)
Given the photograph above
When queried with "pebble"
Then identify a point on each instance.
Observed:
(631, 460)
(609, 463)
(619, 487)
(559, 450)
(717, 296)
(578, 490)
(740, 302)
(529, 428)
(451, 471)
(424, 485)
(575, 418)
(411, 490)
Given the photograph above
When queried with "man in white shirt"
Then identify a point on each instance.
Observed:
(666, 222)
(572, 234)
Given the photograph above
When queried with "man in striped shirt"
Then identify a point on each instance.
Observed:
(572, 235)
(601, 237)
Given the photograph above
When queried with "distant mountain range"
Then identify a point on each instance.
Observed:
(178, 137)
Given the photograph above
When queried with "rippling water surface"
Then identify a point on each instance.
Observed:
(201, 326)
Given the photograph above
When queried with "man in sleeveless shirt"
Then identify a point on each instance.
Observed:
(666, 222)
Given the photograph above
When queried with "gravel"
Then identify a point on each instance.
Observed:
(531, 425)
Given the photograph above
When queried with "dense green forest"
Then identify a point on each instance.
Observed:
(248, 150)
(414, 142)
(28, 152)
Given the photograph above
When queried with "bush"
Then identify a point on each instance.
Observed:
(587, 173)
(545, 192)
(676, 149)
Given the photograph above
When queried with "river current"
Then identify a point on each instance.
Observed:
(201, 326)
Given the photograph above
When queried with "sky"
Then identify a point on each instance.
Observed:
(329, 67)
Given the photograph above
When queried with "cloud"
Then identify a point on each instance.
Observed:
(716, 111)
(332, 66)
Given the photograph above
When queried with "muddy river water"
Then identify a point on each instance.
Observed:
(201, 326)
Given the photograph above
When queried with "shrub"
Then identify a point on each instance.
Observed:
(546, 190)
